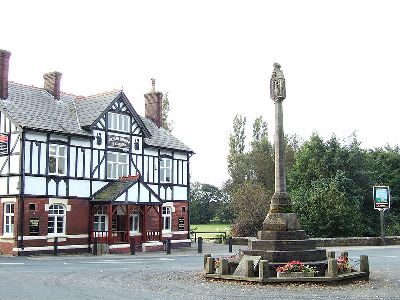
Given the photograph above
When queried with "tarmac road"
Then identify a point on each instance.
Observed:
(176, 276)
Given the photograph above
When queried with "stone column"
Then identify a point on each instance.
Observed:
(279, 217)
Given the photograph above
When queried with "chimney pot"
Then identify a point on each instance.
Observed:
(52, 82)
(4, 64)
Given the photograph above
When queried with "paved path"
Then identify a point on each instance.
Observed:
(175, 276)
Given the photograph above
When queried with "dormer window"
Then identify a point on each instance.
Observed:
(118, 122)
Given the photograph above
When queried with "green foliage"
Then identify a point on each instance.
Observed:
(250, 201)
(207, 202)
(326, 210)
(166, 123)
(251, 176)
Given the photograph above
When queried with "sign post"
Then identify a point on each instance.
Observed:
(382, 203)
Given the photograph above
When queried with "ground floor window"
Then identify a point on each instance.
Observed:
(135, 223)
(100, 223)
(8, 227)
(166, 218)
(56, 221)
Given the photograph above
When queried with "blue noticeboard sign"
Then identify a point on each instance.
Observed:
(381, 197)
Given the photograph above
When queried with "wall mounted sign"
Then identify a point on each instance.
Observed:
(117, 141)
(181, 224)
(34, 226)
(381, 197)
(3, 144)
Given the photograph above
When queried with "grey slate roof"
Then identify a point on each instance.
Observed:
(89, 108)
(34, 108)
(162, 138)
(112, 191)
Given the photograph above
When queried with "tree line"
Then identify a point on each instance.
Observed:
(329, 181)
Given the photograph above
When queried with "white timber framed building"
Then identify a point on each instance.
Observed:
(86, 169)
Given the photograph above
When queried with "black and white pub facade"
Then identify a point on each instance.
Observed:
(87, 169)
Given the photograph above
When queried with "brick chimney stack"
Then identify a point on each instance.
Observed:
(52, 83)
(4, 63)
(153, 105)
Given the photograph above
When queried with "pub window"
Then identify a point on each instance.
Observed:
(57, 159)
(165, 170)
(166, 218)
(8, 227)
(118, 122)
(117, 165)
(56, 221)
(135, 223)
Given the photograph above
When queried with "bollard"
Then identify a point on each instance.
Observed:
(249, 268)
(132, 246)
(330, 254)
(55, 246)
(332, 268)
(230, 244)
(199, 244)
(95, 246)
(205, 259)
(263, 269)
(210, 265)
(169, 246)
(223, 267)
(364, 264)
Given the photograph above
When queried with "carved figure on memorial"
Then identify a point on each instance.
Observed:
(277, 84)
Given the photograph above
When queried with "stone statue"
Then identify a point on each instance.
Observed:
(277, 84)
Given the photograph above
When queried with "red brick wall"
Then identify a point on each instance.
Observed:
(179, 214)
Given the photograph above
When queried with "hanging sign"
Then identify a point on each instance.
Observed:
(117, 141)
(3, 144)
(381, 197)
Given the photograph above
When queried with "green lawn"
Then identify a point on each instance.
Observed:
(210, 227)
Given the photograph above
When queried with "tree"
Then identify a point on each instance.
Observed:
(166, 123)
(205, 203)
(251, 171)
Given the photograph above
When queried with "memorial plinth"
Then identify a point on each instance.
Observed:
(281, 239)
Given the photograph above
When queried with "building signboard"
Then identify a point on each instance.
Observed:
(381, 197)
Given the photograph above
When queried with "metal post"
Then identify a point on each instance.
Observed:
(55, 246)
(382, 215)
(95, 246)
(169, 246)
(230, 244)
(200, 244)
(132, 246)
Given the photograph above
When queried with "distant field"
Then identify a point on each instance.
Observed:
(210, 227)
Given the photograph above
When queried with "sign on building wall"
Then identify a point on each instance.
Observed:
(3, 144)
(381, 197)
(181, 224)
(117, 141)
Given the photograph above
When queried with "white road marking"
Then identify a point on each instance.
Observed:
(166, 259)
(12, 263)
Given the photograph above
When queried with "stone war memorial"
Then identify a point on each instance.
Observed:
(282, 251)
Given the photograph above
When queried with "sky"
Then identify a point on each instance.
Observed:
(341, 61)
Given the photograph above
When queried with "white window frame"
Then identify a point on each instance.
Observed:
(165, 170)
(118, 122)
(57, 218)
(58, 159)
(8, 216)
(135, 220)
(166, 219)
(102, 220)
(116, 168)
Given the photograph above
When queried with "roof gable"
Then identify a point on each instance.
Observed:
(89, 108)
